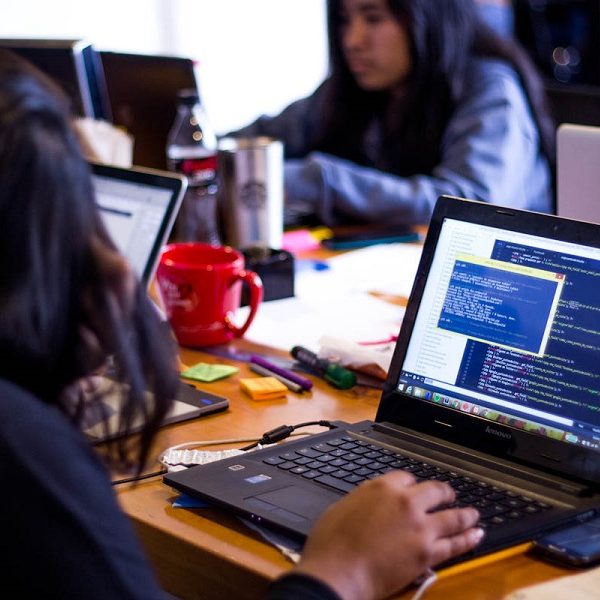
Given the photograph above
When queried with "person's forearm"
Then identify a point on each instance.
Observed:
(340, 191)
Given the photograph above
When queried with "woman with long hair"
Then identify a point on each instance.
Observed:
(70, 308)
(422, 99)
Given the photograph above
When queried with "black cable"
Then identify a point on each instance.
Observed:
(140, 477)
(284, 431)
(270, 437)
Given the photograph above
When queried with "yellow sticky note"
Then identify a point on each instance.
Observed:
(263, 388)
(321, 233)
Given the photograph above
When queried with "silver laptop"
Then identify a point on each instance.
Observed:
(578, 172)
(138, 207)
(493, 387)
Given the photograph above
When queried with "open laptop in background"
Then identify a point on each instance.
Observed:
(578, 172)
(493, 387)
(138, 207)
(142, 91)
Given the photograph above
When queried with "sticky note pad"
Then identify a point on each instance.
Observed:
(299, 240)
(208, 372)
(263, 388)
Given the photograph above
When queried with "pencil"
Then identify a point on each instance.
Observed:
(264, 371)
(303, 382)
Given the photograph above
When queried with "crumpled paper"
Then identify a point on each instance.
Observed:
(372, 359)
(104, 143)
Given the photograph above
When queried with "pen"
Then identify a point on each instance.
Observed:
(334, 374)
(264, 371)
(303, 382)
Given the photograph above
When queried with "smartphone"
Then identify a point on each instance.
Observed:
(369, 237)
(576, 545)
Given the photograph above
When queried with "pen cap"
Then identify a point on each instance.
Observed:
(340, 377)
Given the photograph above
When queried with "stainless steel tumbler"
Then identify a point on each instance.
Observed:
(251, 192)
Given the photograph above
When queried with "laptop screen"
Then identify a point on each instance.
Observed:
(138, 209)
(577, 172)
(508, 329)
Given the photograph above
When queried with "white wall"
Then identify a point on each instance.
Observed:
(128, 25)
(255, 56)
(252, 53)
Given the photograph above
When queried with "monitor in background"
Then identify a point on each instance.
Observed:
(142, 91)
(74, 65)
(138, 207)
(573, 103)
(578, 172)
(562, 37)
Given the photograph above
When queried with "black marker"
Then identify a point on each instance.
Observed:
(334, 374)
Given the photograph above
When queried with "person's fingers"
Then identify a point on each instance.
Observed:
(432, 494)
(397, 479)
(452, 521)
(448, 547)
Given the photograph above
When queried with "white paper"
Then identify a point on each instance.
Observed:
(337, 302)
(384, 268)
(103, 142)
(295, 321)
(582, 586)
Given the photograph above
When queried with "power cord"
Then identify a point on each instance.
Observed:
(282, 432)
(180, 457)
(424, 583)
(162, 471)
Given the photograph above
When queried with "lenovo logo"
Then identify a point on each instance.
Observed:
(498, 433)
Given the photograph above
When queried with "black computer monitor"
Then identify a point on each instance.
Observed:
(74, 65)
(562, 36)
(142, 90)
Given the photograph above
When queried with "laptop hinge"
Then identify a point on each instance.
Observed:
(449, 450)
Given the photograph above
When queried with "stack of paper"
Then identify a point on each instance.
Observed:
(340, 301)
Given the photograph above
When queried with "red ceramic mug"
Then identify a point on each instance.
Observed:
(200, 286)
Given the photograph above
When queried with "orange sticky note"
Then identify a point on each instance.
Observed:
(263, 388)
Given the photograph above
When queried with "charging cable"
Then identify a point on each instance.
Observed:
(282, 432)
(426, 581)
(186, 455)
(183, 456)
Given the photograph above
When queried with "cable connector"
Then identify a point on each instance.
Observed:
(277, 434)
(284, 431)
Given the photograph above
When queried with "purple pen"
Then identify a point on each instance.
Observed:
(301, 381)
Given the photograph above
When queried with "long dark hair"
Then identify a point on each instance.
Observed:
(444, 36)
(60, 318)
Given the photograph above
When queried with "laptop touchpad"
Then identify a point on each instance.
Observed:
(299, 500)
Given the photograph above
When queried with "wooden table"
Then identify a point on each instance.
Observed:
(207, 553)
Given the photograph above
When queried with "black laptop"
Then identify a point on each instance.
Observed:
(138, 207)
(494, 387)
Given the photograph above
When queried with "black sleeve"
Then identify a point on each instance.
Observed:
(63, 532)
(296, 585)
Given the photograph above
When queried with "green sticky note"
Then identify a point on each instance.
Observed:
(208, 372)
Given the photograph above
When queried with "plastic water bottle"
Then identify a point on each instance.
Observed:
(192, 151)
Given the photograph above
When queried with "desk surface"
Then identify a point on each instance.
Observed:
(207, 553)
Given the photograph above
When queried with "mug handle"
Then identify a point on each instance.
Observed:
(256, 295)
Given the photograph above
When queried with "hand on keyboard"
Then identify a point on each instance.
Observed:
(386, 533)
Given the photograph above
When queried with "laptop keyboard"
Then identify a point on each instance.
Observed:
(342, 463)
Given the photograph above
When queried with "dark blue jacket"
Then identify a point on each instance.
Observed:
(63, 534)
